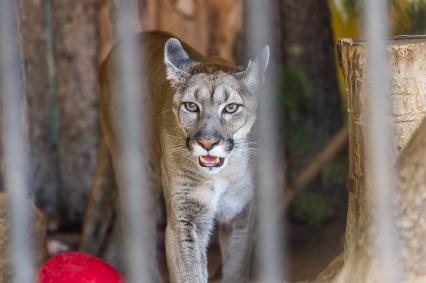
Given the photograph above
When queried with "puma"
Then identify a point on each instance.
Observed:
(201, 111)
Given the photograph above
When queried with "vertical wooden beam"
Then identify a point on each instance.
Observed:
(186, 19)
(212, 27)
(32, 27)
(76, 63)
(225, 24)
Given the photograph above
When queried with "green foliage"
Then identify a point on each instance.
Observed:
(346, 9)
(312, 208)
(353, 7)
(294, 90)
(334, 172)
(306, 140)
(416, 13)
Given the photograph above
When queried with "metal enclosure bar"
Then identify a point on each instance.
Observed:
(380, 154)
(270, 245)
(132, 132)
(15, 145)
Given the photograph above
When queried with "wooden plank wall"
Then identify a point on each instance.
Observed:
(63, 43)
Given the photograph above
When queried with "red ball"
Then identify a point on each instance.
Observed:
(76, 267)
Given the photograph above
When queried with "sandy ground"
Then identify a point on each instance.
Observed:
(309, 249)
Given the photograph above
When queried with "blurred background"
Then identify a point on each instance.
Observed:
(64, 42)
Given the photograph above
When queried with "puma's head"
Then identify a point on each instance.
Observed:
(215, 104)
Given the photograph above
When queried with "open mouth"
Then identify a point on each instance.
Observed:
(210, 161)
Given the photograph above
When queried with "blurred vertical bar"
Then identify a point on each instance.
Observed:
(15, 145)
(132, 128)
(270, 245)
(380, 140)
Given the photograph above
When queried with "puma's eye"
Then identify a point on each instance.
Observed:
(231, 108)
(191, 107)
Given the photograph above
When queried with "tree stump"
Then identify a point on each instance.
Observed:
(407, 57)
(410, 207)
(407, 73)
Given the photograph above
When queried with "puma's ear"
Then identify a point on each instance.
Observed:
(177, 61)
(253, 75)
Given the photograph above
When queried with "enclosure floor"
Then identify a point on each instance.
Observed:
(309, 250)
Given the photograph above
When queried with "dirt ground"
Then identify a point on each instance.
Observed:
(309, 249)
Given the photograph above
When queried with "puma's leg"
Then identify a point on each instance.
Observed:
(187, 234)
(235, 245)
(101, 206)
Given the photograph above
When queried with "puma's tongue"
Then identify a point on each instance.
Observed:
(210, 161)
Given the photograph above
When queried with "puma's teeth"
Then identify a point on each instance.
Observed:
(211, 161)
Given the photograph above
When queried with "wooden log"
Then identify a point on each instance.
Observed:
(407, 94)
(410, 208)
(407, 58)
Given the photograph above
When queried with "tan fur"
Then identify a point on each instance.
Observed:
(195, 196)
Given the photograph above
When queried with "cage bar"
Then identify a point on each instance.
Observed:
(270, 245)
(15, 147)
(379, 141)
(132, 177)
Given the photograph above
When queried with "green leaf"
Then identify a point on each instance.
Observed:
(312, 208)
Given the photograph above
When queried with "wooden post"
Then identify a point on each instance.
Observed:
(75, 37)
(59, 49)
(362, 265)
(225, 23)
(33, 45)
(212, 27)
(407, 58)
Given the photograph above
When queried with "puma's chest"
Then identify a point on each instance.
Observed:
(226, 198)
(211, 193)
(238, 194)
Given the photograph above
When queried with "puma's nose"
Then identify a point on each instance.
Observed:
(207, 143)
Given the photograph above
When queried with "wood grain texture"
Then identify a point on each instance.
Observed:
(32, 29)
(407, 58)
(408, 101)
(76, 63)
